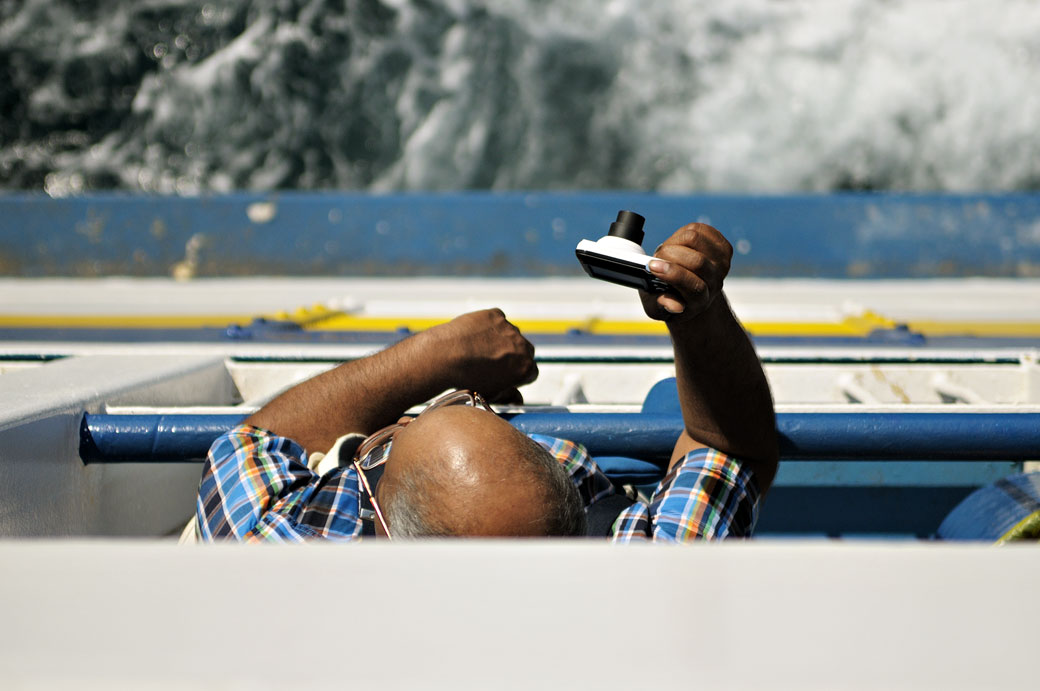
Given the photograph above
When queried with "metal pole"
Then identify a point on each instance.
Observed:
(648, 436)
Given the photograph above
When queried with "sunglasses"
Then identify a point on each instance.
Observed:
(375, 449)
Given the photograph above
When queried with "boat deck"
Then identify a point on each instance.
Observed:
(205, 353)
(896, 398)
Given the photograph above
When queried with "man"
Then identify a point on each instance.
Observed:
(458, 469)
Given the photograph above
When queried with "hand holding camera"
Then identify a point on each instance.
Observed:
(680, 280)
(693, 262)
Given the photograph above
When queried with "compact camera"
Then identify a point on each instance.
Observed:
(618, 256)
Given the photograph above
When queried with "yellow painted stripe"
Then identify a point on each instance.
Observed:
(976, 328)
(320, 318)
(857, 326)
(176, 321)
(307, 316)
(852, 326)
(346, 322)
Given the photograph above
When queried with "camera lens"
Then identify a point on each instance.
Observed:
(629, 225)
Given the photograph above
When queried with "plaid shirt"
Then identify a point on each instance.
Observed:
(257, 487)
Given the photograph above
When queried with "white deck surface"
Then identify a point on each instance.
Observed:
(753, 299)
(975, 301)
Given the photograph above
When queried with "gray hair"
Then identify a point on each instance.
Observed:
(406, 505)
(408, 502)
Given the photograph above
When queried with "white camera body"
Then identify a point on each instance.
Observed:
(618, 257)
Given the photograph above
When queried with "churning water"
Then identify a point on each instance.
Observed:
(177, 96)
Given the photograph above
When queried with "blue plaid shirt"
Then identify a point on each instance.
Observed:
(257, 487)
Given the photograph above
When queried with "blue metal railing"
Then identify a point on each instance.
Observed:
(894, 497)
(648, 436)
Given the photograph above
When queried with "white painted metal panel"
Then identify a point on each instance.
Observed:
(46, 488)
(518, 615)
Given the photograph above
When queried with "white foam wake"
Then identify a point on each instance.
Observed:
(671, 95)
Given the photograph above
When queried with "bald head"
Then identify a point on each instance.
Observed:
(460, 470)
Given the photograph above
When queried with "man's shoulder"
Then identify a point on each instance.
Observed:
(572, 455)
(557, 446)
(707, 494)
(249, 438)
(706, 461)
(257, 486)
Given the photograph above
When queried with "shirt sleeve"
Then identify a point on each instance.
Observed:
(255, 486)
(592, 484)
(707, 495)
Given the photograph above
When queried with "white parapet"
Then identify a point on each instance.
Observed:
(518, 615)
(46, 488)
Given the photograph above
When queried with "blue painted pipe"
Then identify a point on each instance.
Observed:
(150, 438)
(802, 436)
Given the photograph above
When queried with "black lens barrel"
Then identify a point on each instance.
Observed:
(629, 225)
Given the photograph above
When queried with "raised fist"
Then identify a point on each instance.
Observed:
(488, 354)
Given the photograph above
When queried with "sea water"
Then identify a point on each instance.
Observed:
(181, 96)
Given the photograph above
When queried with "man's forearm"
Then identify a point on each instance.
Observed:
(723, 390)
(358, 396)
(479, 350)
